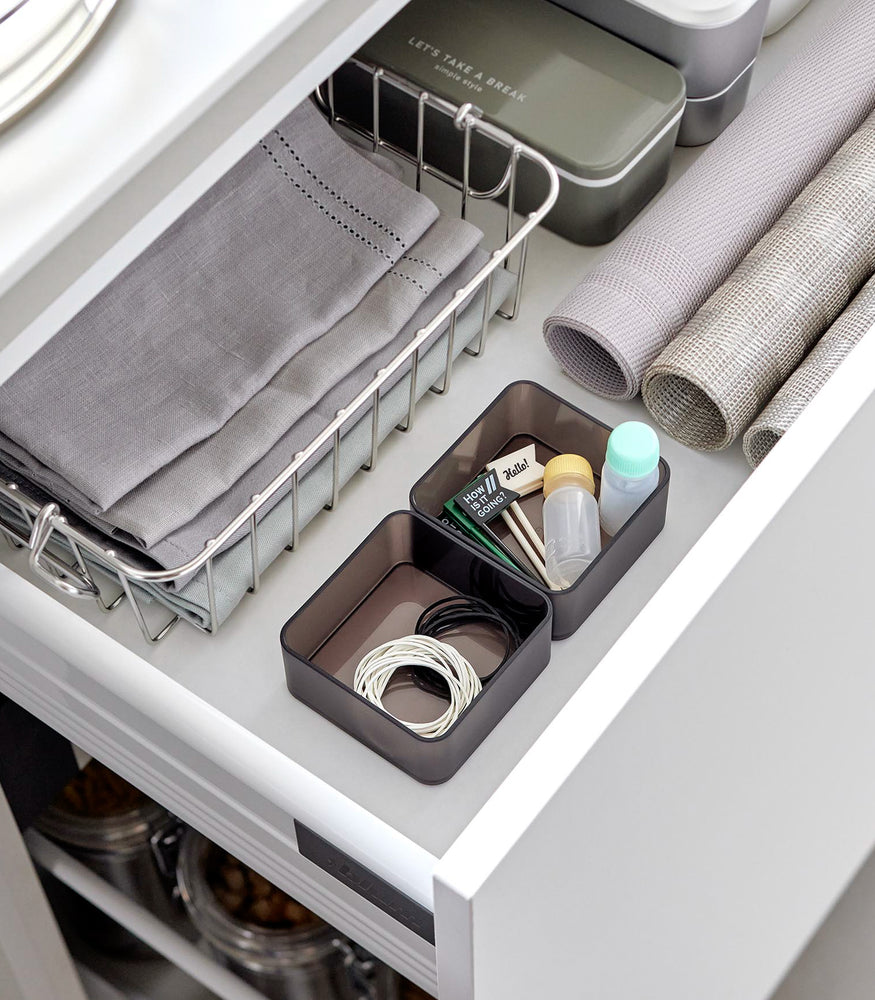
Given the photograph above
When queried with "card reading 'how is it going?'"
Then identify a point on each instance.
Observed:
(485, 498)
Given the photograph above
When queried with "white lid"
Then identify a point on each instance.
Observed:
(698, 13)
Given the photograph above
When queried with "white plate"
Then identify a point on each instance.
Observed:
(39, 41)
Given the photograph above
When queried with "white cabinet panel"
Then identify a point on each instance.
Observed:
(34, 962)
(703, 799)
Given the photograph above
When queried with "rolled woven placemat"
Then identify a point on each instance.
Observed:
(811, 376)
(709, 384)
(634, 302)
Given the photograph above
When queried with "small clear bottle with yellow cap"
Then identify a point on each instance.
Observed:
(572, 538)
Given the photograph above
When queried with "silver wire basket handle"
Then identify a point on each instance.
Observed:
(63, 578)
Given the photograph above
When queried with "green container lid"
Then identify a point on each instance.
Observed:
(586, 99)
(633, 449)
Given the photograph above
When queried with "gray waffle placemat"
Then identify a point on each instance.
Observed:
(713, 379)
(634, 302)
(811, 376)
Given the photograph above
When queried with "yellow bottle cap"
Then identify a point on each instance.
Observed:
(568, 470)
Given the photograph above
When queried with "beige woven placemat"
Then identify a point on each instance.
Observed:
(811, 376)
(709, 384)
(637, 299)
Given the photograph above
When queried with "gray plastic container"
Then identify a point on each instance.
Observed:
(403, 566)
(714, 46)
(604, 112)
(524, 413)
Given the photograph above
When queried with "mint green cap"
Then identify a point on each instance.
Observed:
(633, 449)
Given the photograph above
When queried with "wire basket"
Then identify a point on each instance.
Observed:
(71, 560)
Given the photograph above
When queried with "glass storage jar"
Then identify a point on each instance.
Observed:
(119, 833)
(301, 959)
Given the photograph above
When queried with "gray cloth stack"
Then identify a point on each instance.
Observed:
(233, 567)
(280, 249)
(811, 376)
(189, 538)
(631, 305)
(210, 470)
(709, 384)
(190, 383)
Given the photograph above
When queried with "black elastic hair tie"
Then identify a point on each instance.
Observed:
(451, 613)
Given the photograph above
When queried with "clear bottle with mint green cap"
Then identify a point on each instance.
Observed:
(630, 473)
(571, 519)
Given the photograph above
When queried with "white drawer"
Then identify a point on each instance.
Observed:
(670, 809)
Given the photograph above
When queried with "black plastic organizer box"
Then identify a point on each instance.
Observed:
(526, 413)
(403, 566)
(410, 560)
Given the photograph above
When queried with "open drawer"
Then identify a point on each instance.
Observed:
(669, 810)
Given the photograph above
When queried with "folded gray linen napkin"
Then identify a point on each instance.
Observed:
(609, 329)
(274, 254)
(233, 568)
(174, 495)
(186, 542)
(817, 368)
